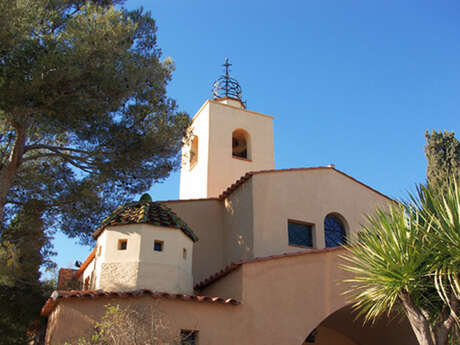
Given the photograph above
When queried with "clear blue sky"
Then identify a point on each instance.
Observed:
(354, 83)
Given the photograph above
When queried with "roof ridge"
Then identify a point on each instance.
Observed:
(229, 190)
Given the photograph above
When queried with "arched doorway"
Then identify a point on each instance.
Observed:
(343, 328)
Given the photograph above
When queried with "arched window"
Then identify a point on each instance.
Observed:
(334, 231)
(240, 144)
(193, 152)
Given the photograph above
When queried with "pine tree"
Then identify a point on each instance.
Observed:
(24, 248)
(442, 152)
(85, 121)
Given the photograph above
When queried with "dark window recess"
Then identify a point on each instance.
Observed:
(334, 231)
(300, 234)
(122, 244)
(188, 337)
(158, 246)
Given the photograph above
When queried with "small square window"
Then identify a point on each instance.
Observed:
(184, 253)
(122, 244)
(300, 234)
(188, 337)
(158, 246)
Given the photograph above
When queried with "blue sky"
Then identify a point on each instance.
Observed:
(354, 83)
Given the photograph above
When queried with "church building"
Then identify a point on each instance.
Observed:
(248, 255)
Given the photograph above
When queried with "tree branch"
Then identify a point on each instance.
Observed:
(420, 325)
(55, 149)
(449, 317)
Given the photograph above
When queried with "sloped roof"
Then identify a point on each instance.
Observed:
(145, 212)
(248, 175)
(234, 265)
(57, 296)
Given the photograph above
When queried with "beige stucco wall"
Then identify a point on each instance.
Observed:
(306, 196)
(205, 218)
(193, 181)
(283, 300)
(239, 224)
(223, 169)
(252, 221)
(139, 266)
(216, 169)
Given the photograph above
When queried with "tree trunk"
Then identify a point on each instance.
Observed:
(420, 325)
(8, 170)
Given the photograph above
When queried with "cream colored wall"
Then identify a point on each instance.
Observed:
(89, 273)
(139, 266)
(223, 169)
(231, 286)
(216, 169)
(193, 181)
(205, 218)
(238, 224)
(306, 196)
(283, 300)
(166, 270)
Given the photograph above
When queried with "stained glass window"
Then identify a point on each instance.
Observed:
(334, 231)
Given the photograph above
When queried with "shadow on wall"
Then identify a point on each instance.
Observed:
(241, 242)
(344, 328)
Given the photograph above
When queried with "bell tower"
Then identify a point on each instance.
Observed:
(228, 141)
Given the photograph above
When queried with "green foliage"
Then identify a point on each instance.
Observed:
(442, 151)
(84, 117)
(19, 313)
(24, 247)
(407, 260)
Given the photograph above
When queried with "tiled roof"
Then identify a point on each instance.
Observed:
(233, 266)
(145, 212)
(248, 175)
(57, 296)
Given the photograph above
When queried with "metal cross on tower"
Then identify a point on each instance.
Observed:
(227, 87)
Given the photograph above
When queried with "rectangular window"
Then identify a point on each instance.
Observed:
(188, 337)
(300, 234)
(184, 253)
(158, 246)
(122, 244)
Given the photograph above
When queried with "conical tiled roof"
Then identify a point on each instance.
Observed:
(145, 212)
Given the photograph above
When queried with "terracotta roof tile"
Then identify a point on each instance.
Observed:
(248, 175)
(233, 266)
(57, 296)
(145, 212)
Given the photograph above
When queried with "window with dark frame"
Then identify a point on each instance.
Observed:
(122, 244)
(188, 337)
(158, 246)
(300, 234)
(335, 234)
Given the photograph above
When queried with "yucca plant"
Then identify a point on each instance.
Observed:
(407, 261)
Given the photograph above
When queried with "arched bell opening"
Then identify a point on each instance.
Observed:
(241, 144)
(344, 328)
